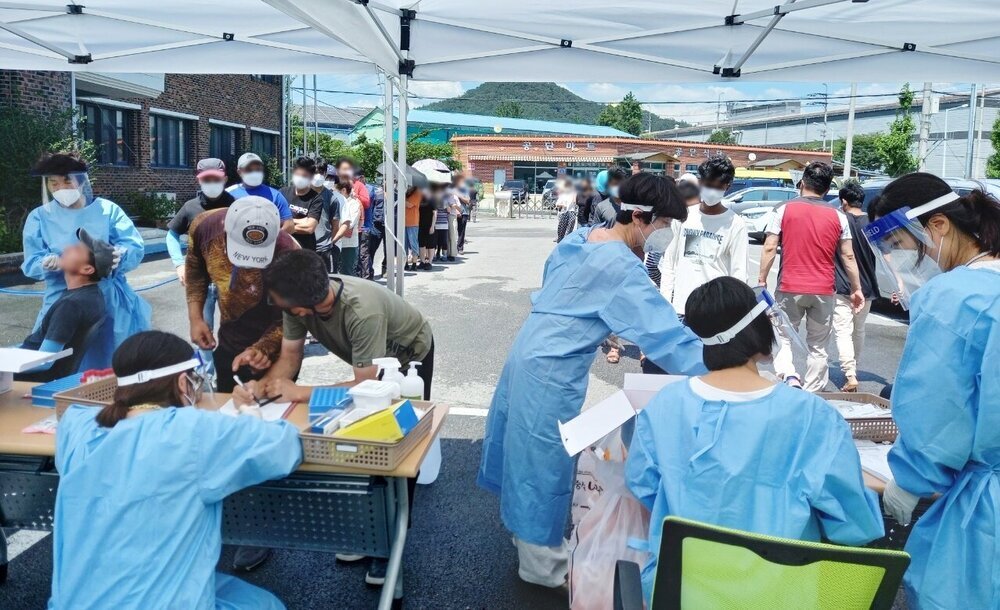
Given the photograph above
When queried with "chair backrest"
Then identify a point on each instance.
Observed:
(80, 344)
(704, 566)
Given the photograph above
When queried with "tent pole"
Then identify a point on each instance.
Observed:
(972, 131)
(925, 128)
(315, 119)
(305, 125)
(401, 156)
(389, 189)
(849, 140)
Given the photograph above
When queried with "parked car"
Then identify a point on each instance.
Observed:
(873, 188)
(757, 197)
(549, 195)
(518, 191)
(757, 208)
(740, 184)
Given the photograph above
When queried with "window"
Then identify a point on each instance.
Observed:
(691, 167)
(168, 141)
(223, 142)
(262, 143)
(109, 130)
(270, 79)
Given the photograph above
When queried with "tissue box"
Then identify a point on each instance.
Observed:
(388, 425)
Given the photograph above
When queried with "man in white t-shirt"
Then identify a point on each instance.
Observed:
(711, 243)
(348, 231)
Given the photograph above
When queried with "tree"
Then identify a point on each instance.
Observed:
(993, 163)
(625, 116)
(509, 108)
(864, 152)
(722, 136)
(894, 147)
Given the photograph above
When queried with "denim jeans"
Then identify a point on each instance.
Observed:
(211, 299)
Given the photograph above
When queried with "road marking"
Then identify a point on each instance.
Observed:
(470, 411)
(22, 540)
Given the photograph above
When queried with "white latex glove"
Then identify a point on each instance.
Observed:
(50, 262)
(899, 503)
(116, 256)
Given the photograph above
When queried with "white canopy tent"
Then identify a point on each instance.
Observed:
(519, 40)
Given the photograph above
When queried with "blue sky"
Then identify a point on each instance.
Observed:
(695, 103)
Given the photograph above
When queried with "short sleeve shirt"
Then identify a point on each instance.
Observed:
(309, 205)
(270, 193)
(70, 317)
(368, 321)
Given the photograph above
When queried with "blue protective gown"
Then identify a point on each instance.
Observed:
(946, 402)
(589, 290)
(50, 228)
(139, 508)
(782, 465)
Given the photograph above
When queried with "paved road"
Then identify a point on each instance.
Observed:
(458, 555)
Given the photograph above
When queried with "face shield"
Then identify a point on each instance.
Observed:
(194, 369)
(67, 190)
(657, 240)
(786, 334)
(904, 250)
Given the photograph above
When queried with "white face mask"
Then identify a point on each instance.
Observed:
(613, 192)
(66, 197)
(301, 182)
(657, 241)
(712, 196)
(317, 181)
(212, 189)
(253, 179)
(330, 184)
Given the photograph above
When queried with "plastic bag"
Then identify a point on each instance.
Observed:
(602, 538)
(587, 488)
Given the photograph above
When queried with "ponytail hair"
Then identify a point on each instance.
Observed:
(143, 352)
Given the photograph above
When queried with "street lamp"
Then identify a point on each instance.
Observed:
(944, 140)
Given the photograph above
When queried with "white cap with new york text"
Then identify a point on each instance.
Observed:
(252, 227)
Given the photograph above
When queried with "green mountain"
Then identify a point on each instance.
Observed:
(543, 101)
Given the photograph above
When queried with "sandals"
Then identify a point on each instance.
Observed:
(614, 355)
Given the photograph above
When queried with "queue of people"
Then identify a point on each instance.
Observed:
(730, 446)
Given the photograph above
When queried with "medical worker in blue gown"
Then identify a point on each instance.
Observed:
(69, 204)
(946, 399)
(736, 450)
(594, 284)
(139, 508)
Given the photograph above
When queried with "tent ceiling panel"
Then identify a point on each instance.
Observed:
(520, 40)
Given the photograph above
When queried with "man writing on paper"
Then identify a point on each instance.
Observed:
(78, 310)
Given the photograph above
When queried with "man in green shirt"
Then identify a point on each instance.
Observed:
(356, 319)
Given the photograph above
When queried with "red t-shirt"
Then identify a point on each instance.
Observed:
(811, 232)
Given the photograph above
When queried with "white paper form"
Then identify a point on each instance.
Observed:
(595, 423)
(17, 360)
(270, 412)
(875, 459)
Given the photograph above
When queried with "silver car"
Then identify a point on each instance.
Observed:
(758, 197)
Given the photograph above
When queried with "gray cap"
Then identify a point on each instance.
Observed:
(104, 254)
(211, 167)
(246, 159)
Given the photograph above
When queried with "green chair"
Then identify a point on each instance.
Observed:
(704, 567)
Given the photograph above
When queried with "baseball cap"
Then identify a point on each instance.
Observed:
(211, 167)
(104, 254)
(246, 159)
(252, 225)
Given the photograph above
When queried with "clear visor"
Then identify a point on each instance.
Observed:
(784, 331)
(67, 190)
(905, 254)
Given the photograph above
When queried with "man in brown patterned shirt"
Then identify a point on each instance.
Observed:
(230, 247)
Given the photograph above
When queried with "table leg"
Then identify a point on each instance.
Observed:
(393, 587)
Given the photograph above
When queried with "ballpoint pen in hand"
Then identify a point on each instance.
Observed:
(240, 383)
(268, 401)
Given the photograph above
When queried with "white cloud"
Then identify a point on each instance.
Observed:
(434, 89)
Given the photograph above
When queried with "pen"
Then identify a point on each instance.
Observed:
(240, 383)
(268, 401)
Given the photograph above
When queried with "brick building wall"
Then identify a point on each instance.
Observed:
(44, 92)
(481, 155)
(235, 98)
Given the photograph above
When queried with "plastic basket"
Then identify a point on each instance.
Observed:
(372, 455)
(100, 393)
(877, 429)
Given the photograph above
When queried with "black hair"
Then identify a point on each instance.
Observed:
(299, 277)
(145, 351)
(617, 173)
(852, 193)
(92, 261)
(305, 163)
(817, 177)
(59, 164)
(718, 168)
(716, 307)
(344, 160)
(321, 167)
(976, 214)
(651, 189)
(687, 190)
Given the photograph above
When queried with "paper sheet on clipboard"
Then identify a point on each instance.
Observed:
(593, 424)
(271, 412)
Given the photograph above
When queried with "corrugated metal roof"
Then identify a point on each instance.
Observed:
(332, 115)
(479, 120)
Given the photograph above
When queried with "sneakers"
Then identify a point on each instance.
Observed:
(451, 259)
(376, 572)
(793, 381)
(249, 558)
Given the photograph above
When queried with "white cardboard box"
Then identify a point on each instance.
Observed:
(17, 360)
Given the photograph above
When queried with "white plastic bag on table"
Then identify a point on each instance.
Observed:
(602, 538)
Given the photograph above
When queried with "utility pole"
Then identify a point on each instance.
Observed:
(925, 128)
(849, 140)
(979, 129)
(305, 126)
(315, 118)
(972, 131)
(826, 105)
(718, 112)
